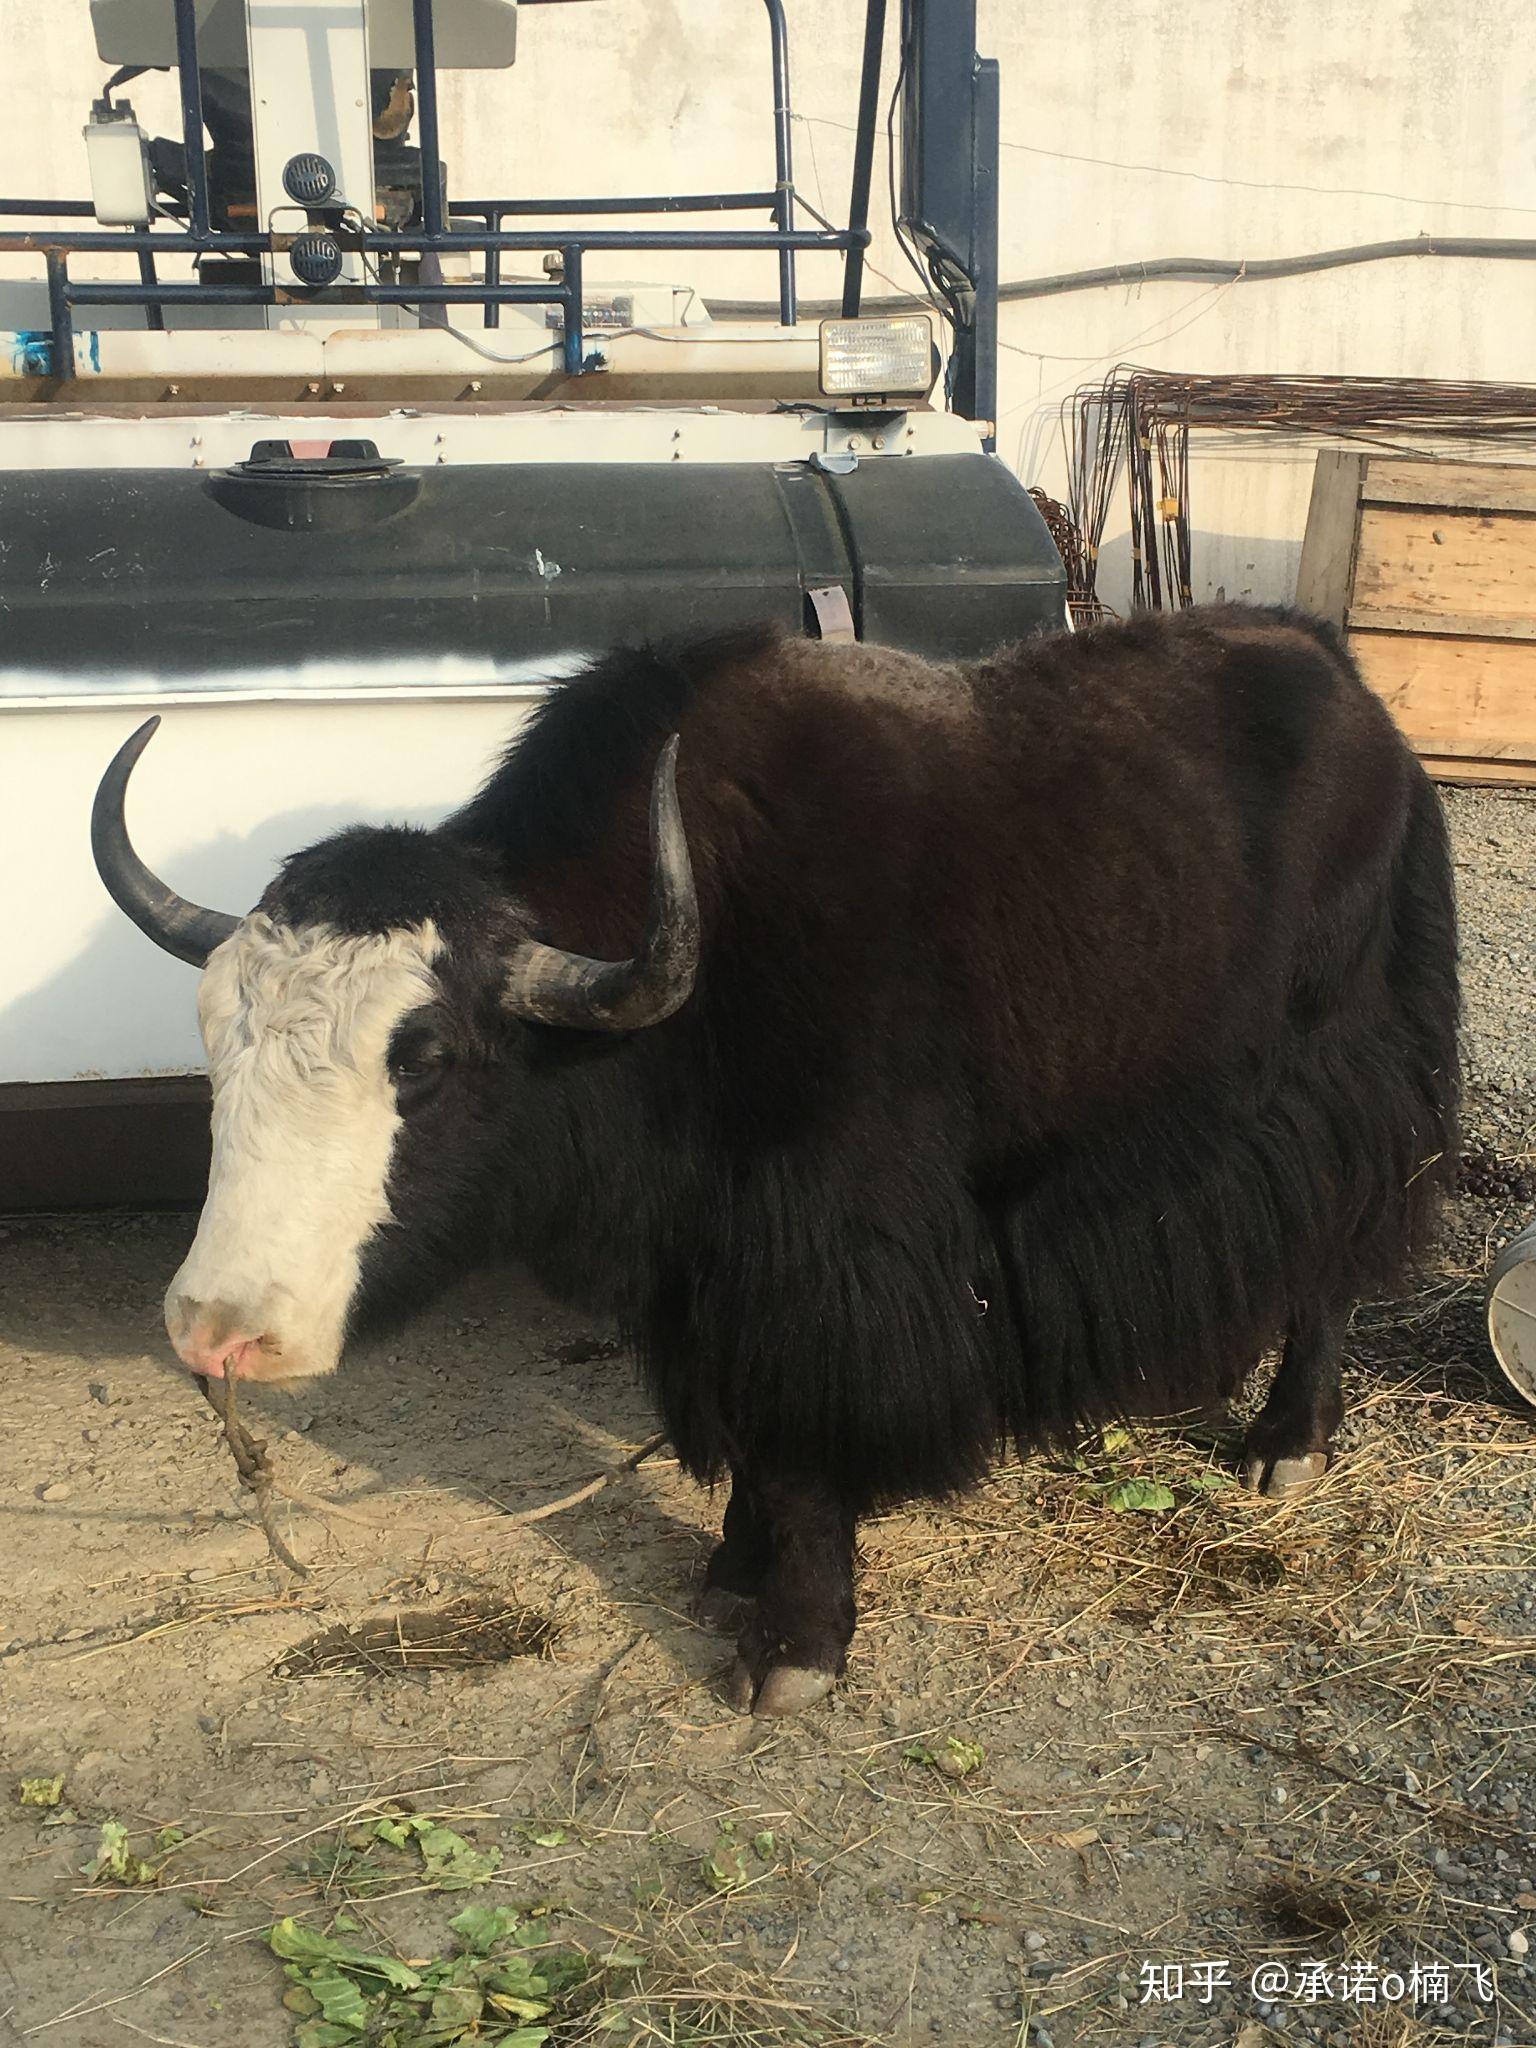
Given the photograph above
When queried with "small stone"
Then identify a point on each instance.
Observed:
(99, 1391)
(200, 1572)
(1034, 1942)
(59, 1490)
(1518, 1942)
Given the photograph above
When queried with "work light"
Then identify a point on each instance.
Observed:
(877, 358)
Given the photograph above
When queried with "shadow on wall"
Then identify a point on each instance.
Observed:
(1226, 568)
(116, 966)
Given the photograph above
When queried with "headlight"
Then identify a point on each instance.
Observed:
(877, 358)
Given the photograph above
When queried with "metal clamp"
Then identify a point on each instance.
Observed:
(833, 614)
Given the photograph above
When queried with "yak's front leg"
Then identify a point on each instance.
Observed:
(794, 1647)
(738, 1564)
(1290, 1440)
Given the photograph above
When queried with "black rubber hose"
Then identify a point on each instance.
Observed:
(1241, 269)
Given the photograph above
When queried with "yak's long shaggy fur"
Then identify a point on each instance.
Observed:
(1067, 1023)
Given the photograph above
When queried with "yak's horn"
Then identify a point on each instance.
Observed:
(182, 928)
(554, 987)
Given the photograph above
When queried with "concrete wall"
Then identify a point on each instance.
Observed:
(1144, 129)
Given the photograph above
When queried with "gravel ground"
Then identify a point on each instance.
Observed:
(1074, 1743)
(1494, 843)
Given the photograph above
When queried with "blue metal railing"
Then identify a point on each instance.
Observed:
(445, 229)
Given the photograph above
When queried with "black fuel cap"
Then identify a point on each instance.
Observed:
(317, 458)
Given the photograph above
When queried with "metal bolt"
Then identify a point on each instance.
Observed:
(338, 389)
(878, 442)
(854, 441)
(474, 383)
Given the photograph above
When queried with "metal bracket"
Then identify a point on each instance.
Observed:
(833, 614)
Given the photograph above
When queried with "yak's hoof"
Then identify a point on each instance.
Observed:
(1282, 1478)
(717, 1607)
(788, 1689)
(741, 1686)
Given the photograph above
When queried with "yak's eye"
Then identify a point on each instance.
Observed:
(417, 1063)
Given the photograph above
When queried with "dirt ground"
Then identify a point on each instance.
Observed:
(1083, 1744)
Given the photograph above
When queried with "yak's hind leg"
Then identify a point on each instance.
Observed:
(738, 1564)
(1290, 1440)
(794, 1646)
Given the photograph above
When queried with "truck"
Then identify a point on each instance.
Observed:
(339, 471)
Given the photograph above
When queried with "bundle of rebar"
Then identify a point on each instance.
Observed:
(1142, 419)
(1068, 536)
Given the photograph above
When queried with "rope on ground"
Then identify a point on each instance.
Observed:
(258, 1478)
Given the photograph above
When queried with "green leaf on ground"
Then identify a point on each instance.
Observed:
(726, 1870)
(543, 1835)
(40, 1791)
(306, 1946)
(481, 1927)
(450, 1864)
(115, 1860)
(345, 1996)
(1138, 1496)
(954, 1756)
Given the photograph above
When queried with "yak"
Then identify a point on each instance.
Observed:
(915, 1059)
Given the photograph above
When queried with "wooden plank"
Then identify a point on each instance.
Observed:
(1385, 618)
(1469, 486)
(1445, 563)
(1496, 774)
(1328, 548)
(1456, 698)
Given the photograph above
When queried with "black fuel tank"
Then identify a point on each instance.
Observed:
(191, 577)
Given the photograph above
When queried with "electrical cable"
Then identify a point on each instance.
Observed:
(1169, 269)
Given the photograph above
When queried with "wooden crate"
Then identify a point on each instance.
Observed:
(1430, 568)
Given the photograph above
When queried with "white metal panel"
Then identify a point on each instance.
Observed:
(335, 353)
(422, 437)
(225, 790)
(471, 34)
(310, 91)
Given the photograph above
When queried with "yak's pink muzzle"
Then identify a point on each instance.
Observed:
(212, 1341)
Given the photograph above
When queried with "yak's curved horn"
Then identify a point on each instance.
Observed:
(624, 995)
(182, 928)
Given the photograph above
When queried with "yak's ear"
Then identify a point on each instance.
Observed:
(182, 928)
(553, 987)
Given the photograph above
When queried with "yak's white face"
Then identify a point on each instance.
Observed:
(297, 1026)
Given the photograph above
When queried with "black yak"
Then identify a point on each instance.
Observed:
(914, 1059)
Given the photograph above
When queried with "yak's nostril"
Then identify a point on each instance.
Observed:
(210, 1340)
